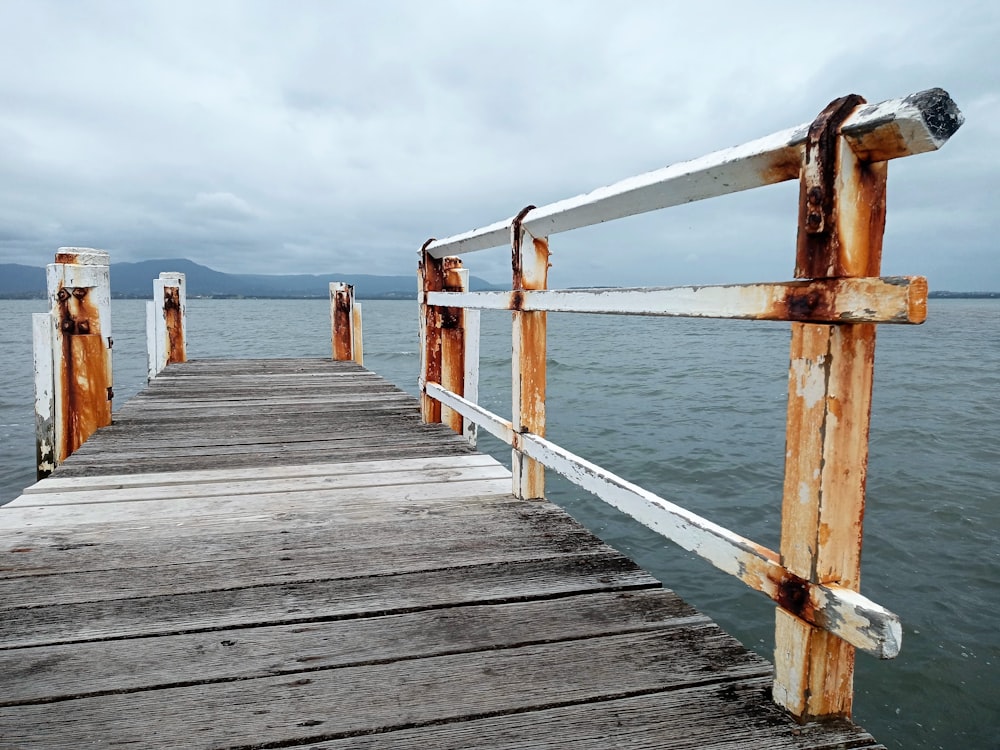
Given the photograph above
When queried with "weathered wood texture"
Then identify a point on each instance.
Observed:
(380, 588)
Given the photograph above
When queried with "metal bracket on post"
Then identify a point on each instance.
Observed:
(841, 222)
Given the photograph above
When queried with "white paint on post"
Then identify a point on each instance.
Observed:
(472, 328)
(45, 432)
(898, 127)
(357, 339)
(151, 351)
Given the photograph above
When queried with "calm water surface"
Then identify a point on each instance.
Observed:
(694, 410)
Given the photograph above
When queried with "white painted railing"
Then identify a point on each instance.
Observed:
(840, 161)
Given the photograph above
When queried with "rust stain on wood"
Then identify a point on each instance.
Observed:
(83, 371)
(452, 321)
(173, 314)
(343, 349)
(431, 274)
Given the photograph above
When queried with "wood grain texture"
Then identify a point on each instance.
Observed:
(208, 574)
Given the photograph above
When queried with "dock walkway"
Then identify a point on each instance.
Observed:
(278, 553)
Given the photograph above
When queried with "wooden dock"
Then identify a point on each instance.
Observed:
(278, 553)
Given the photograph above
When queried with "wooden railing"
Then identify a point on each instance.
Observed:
(833, 305)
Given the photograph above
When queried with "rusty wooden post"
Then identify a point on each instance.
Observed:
(73, 379)
(345, 323)
(841, 223)
(530, 271)
(456, 279)
(166, 323)
(430, 278)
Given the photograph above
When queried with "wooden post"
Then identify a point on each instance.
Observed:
(841, 222)
(72, 355)
(166, 323)
(530, 272)
(430, 278)
(456, 279)
(345, 323)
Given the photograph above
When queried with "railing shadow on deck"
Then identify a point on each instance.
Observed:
(833, 304)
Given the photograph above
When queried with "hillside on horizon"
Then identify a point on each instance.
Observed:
(135, 281)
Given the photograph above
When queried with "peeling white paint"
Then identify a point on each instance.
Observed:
(809, 379)
(885, 300)
(805, 494)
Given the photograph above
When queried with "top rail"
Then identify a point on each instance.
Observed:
(909, 125)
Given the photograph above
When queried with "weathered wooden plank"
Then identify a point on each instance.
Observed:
(44, 550)
(324, 453)
(260, 486)
(375, 697)
(380, 422)
(89, 543)
(235, 505)
(281, 560)
(236, 410)
(75, 670)
(727, 716)
(308, 601)
(206, 454)
(205, 476)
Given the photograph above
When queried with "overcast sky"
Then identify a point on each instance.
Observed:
(325, 137)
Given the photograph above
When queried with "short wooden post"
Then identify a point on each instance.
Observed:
(530, 271)
(430, 278)
(345, 323)
(166, 323)
(841, 222)
(72, 355)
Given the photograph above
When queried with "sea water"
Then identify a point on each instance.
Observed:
(694, 410)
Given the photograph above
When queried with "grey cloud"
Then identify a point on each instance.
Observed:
(341, 135)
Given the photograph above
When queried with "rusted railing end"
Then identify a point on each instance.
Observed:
(915, 124)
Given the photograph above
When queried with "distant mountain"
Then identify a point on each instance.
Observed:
(135, 280)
